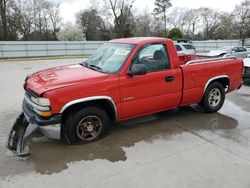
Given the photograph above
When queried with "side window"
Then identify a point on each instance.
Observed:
(178, 48)
(235, 49)
(154, 57)
(242, 49)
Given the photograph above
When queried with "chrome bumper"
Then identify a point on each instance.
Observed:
(49, 127)
(51, 131)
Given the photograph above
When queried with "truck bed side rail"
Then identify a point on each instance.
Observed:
(209, 60)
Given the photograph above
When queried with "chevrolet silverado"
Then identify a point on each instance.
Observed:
(124, 79)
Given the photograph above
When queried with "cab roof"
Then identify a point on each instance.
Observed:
(139, 40)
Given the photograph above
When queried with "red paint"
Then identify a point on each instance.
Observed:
(138, 95)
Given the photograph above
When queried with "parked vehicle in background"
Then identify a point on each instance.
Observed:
(247, 47)
(124, 79)
(246, 75)
(227, 51)
(185, 48)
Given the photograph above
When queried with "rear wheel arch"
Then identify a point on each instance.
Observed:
(224, 80)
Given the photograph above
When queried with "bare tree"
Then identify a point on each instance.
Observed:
(3, 10)
(24, 17)
(53, 11)
(242, 14)
(123, 17)
(177, 18)
(210, 22)
(161, 7)
(29, 19)
(187, 20)
(143, 24)
(70, 32)
(227, 28)
(192, 20)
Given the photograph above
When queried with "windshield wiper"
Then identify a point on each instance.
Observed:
(93, 67)
(84, 63)
(96, 68)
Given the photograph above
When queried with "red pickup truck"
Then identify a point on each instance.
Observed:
(124, 79)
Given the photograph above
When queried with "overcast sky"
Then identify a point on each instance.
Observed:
(70, 7)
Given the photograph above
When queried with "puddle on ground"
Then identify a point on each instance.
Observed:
(50, 156)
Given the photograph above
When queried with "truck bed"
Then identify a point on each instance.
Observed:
(200, 70)
(187, 58)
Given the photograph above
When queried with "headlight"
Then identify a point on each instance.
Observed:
(41, 101)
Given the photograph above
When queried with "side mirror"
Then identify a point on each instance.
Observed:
(233, 51)
(137, 69)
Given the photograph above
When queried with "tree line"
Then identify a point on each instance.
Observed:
(108, 19)
(29, 20)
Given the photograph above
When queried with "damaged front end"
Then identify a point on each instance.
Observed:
(16, 139)
(33, 114)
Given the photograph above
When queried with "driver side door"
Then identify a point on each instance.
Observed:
(155, 91)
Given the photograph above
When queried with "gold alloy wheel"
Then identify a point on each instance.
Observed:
(89, 128)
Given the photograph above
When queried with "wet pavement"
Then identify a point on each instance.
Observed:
(178, 148)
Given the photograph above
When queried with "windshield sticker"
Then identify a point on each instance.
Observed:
(122, 52)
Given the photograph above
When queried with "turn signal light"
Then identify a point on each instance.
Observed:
(43, 113)
(46, 114)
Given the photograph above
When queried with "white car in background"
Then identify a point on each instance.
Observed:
(227, 51)
(247, 47)
(185, 48)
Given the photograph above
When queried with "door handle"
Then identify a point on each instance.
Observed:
(169, 78)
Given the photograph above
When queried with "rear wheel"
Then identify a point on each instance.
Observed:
(86, 125)
(213, 98)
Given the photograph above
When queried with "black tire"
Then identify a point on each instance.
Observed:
(75, 127)
(213, 103)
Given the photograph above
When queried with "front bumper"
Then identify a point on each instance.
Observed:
(50, 127)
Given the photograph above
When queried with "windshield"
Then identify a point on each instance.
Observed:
(110, 57)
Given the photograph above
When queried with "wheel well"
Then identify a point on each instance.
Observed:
(224, 81)
(101, 103)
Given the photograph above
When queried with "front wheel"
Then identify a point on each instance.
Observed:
(86, 125)
(213, 98)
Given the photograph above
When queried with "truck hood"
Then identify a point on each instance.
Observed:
(58, 77)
